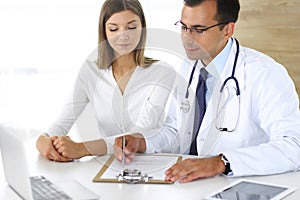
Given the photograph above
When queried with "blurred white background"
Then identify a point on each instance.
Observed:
(42, 46)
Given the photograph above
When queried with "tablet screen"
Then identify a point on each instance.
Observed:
(248, 190)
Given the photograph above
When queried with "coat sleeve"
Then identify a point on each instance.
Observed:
(166, 137)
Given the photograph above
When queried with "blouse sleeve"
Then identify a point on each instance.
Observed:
(72, 109)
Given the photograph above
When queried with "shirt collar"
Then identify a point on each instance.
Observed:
(216, 66)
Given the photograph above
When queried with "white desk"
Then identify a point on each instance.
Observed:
(85, 169)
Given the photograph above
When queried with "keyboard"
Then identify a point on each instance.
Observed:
(44, 189)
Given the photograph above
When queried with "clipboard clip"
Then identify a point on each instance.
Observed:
(133, 176)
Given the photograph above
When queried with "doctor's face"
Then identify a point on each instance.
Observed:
(208, 44)
(123, 31)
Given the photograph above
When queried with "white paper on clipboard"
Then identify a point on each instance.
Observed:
(151, 164)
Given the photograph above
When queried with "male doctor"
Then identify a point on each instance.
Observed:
(249, 120)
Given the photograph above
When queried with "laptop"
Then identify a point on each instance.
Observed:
(17, 174)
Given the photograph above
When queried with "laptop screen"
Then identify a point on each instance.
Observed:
(14, 162)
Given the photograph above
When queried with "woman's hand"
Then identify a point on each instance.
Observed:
(45, 146)
(70, 149)
(134, 143)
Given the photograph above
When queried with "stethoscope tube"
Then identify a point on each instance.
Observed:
(226, 80)
(224, 83)
(190, 80)
(233, 71)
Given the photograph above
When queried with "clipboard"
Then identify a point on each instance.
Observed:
(108, 172)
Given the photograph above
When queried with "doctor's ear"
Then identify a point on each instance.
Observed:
(229, 29)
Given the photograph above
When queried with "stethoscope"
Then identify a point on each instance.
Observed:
(185, 105)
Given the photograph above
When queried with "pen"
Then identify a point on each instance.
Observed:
(123, 154)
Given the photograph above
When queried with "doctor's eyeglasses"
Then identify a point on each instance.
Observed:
(198, 29)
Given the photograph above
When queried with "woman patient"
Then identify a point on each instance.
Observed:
(127, 90)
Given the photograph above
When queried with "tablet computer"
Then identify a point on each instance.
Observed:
(248, 190)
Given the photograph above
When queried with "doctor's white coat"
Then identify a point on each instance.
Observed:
(267, 137)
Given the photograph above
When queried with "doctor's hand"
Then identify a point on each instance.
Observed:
(45, 146)
(134, 143)
(195, 168)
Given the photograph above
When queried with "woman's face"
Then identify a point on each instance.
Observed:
(123, 32)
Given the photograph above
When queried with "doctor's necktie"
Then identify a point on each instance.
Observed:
(199, 109)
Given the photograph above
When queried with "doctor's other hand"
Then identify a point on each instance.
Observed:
(70, 149)
(134, 143)
(194, 168)
(44, 145)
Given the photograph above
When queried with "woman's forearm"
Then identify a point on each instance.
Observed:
(95, 148)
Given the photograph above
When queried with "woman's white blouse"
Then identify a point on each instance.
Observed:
(140, 107)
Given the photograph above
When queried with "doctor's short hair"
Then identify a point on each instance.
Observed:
(105, 52)
(227, 10)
